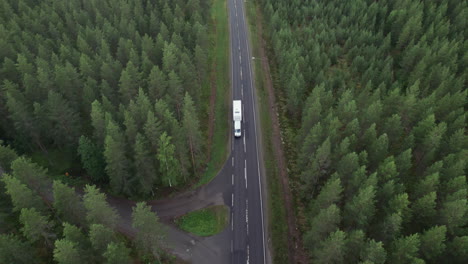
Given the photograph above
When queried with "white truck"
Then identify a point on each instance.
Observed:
(237, 117)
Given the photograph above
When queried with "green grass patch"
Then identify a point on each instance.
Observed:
(219, 57)
(205, 222)
(276, 210)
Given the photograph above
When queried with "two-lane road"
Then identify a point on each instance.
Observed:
(247, 217)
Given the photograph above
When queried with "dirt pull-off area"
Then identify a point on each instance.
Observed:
(296, 250)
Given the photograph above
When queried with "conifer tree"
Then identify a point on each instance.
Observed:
(67, 203)
(31, 174)
(98, 122)
(7, 156)
(359, 211)
(21, 195)
(129, 82)
(150, 233)
(192, 131)
(321, 225)
(157, 83)
(66, 252)
(100, 237)
(144, 169)
(13, 250)
(433, 243)
(332, 249)
(92, 159)
(168, 164)
(117, 163)
(117, 253)
(35, 226)
(98, 210)
(405, 250)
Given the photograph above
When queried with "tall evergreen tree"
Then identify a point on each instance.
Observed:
(101, 237)
(117, 163)
(36, 227)
(150, 232)
(67, 203)
(332, 249)
(92, 159)
(98, 210)
(168, 163)
(7, 156)
(117, 253)
(433, 243)
(21, 195)
(98, 122)
(144, 169)
(66, 252)
(192, 131)
(31, 174)
(13, 250)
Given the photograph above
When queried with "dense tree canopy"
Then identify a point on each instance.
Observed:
(375, 92)
(89, 76)
(109, 89)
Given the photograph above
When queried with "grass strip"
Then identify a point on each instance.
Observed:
(219, 56)
(205, 222)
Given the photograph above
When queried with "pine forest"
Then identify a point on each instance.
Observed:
(113, 89)
(374, 95)
(103, 80)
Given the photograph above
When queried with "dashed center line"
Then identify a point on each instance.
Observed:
(245, 148)
(232, 221)
(247, 215)
(247, 254)
(242, 91)
(245, 176)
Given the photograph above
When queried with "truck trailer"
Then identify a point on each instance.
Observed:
(237, 117)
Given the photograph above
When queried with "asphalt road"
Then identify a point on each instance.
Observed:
(247, 218)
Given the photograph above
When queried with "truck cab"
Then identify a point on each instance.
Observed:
(237, 128)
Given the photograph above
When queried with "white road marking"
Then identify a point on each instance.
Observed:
(241, 73)
(256, 143)
(247, 215)
(245, 176)
(240, 59)
(245, 150)
(232, 179)
(247, 254)
(232, 200)
(232, 161)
